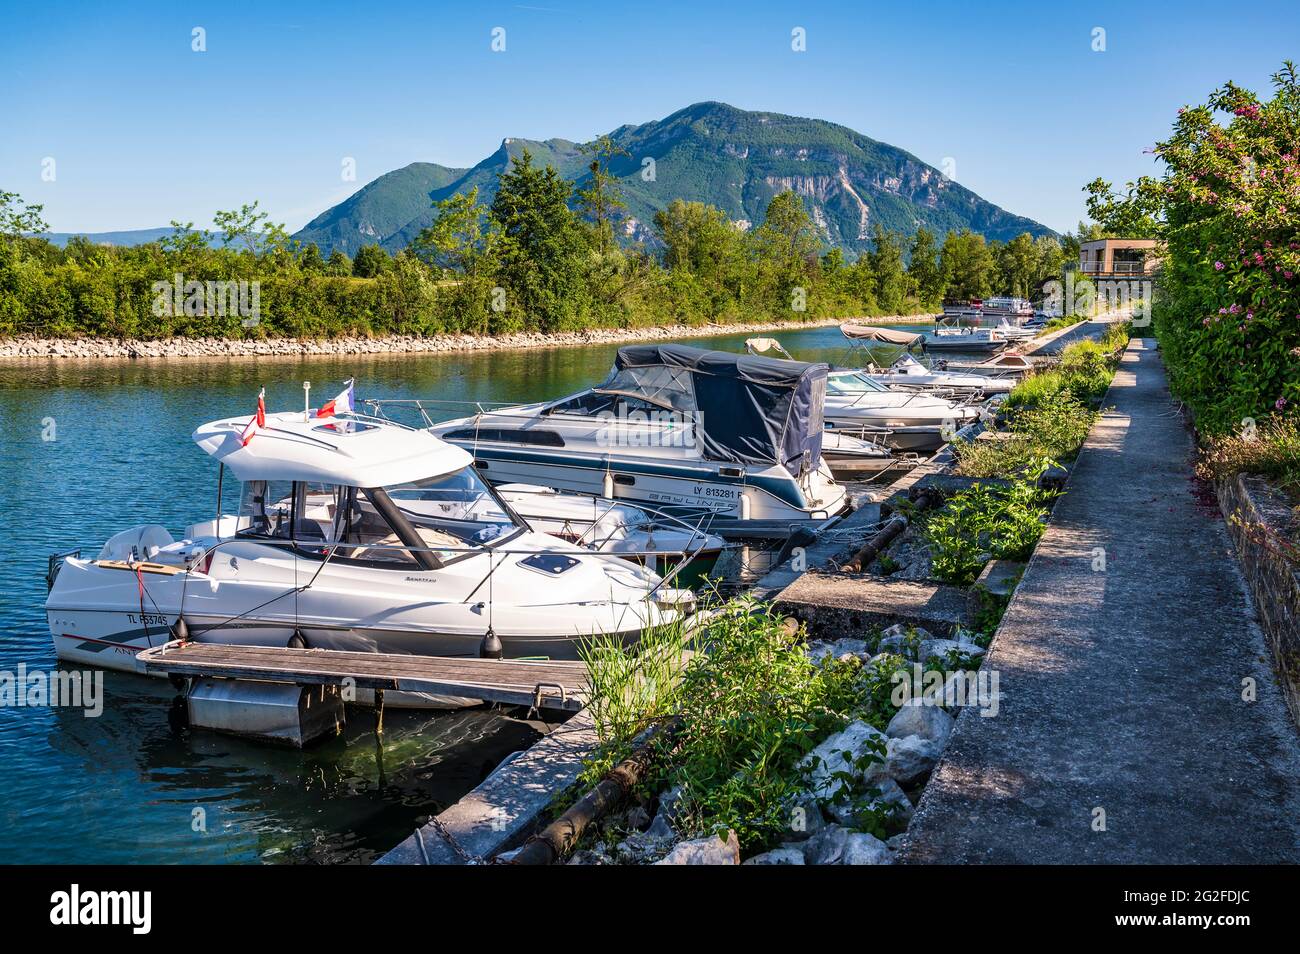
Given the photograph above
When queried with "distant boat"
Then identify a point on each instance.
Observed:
(965, 339)
(1013, 308)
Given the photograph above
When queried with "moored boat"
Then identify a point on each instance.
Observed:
(352, 534)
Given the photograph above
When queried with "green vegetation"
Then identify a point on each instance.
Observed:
(1271, 450)
(751, 705)
(1003, 523)
(540, 257)
(1049, 413)
(1226, 209)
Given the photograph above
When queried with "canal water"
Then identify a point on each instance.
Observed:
(91, 448)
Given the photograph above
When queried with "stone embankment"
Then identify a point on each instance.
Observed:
(90, 348)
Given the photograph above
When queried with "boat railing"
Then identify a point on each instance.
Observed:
(422, 405)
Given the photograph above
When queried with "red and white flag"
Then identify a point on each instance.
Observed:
(339, 405)
(258, 420)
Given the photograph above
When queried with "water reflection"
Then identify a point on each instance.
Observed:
(123, 787)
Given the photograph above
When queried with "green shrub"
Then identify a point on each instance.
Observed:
(1270, 450)
(983, 522)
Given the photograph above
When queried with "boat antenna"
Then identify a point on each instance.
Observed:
(306, 401)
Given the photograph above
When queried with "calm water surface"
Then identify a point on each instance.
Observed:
(123, 787)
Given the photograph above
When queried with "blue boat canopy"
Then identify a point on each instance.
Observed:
(747, 409)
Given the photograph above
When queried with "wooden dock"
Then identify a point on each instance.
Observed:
(558, 685)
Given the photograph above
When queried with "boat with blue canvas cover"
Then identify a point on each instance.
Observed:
(736, 439)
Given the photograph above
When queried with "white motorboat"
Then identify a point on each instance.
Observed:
(1008, 363)
(907, 372)
(858, 458)
(679, 429)
(965, 339)
(905, 420)
(1014, 332)
(352, 534)
(608, 527)
(859, 402)
(1014, 308)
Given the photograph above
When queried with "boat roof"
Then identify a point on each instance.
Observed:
(351, 450)
(858, 332)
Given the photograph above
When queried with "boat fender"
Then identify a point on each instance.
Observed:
(181, 630)
(297, 640)
(178, 716)
(490, 648)
(607, 487)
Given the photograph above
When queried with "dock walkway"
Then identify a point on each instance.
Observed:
(552, 685)
(1122, 735)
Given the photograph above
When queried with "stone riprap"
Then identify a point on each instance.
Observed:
(37, 347)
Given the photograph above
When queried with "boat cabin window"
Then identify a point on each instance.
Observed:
(852, 384)
(449, 515)
(621, 406)
(268, 505)
(586, 404)
(505, 435)
(456, 510)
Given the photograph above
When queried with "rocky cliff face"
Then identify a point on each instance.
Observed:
(730, 158)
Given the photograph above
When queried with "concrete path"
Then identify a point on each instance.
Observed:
(1122, 687)
(1052, 345)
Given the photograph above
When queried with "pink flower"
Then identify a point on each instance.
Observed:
(1218, 266)
(1279, 403)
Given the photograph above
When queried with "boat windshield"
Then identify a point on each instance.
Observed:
(852, 382)
(448, 514)
(460, 504)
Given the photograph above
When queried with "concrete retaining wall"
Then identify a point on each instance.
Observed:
(1264, 528)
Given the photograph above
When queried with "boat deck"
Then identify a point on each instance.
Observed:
(553, 684)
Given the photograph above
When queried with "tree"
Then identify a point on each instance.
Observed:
(310, 260)
(1048, 261)
(1128, 214)
(338, 264)
(259, 235)
(186, 242)
(17, 218)
(967, 265)
(462, 236)
(370, 261)
(886, 259)
(1018, 265)
(601, 199)
(697, 238)
(924, 271)
(543, 244)
(786, 246)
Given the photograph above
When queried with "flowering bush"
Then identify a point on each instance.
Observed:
(1228, 211)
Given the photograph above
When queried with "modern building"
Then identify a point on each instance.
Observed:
(1119, 258)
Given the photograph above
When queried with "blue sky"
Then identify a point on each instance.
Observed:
(143, 130)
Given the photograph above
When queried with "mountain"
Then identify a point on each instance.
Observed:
(128, 237)
(734, 159)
